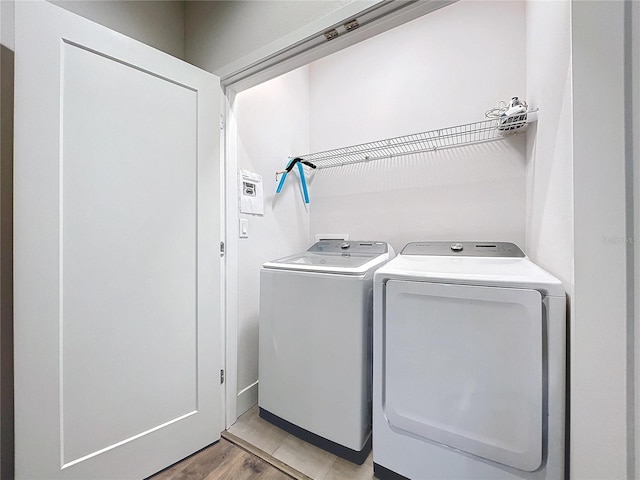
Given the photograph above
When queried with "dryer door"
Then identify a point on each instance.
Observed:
(463, 367)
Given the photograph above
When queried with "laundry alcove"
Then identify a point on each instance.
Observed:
(425, 74)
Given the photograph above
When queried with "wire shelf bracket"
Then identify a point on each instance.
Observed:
(487, 130)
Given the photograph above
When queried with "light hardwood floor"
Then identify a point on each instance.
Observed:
(300, 460)
(221, 461)
(311, 461)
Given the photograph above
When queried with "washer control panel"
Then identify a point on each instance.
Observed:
(351, 246)
(463, 249)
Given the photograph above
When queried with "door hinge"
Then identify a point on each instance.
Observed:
(221, 122)
(221, 248)
(221, 377)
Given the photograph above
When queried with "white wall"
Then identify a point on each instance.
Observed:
(550, 146)
(599, 317)
(159, 23)
(272, 123)
(220, 33)
(468, 193)
(576, 215)
(443, 69)
(550, 207)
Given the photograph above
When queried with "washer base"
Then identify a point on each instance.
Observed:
(354, 456)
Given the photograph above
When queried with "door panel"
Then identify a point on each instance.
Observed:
(463, 367)
(117, 295)
(128, 232)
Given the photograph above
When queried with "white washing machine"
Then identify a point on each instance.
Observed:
(315, 344)
(469, 365)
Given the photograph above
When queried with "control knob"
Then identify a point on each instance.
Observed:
(457, 247)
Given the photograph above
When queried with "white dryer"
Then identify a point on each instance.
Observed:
(469, 365)
(316, 341)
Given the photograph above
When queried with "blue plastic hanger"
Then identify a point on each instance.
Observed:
(293, 162)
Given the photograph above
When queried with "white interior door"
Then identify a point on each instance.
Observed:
(117, 290)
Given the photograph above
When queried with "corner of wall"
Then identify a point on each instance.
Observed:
(282, 105)
(7, 61)
(549, 236)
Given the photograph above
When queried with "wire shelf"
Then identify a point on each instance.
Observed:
(479, 132)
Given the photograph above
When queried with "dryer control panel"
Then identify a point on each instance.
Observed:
(463, 249)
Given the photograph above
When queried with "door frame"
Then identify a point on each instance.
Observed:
(293, 51)
(632, 22)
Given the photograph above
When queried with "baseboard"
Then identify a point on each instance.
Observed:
(247, 398)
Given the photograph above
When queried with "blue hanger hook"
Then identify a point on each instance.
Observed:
(292, 163)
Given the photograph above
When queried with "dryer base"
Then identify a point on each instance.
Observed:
(385, 474)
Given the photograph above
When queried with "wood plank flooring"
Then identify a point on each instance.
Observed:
(310, 462)
(222, 460)
(239, 456)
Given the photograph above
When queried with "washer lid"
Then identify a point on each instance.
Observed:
(335, 256)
